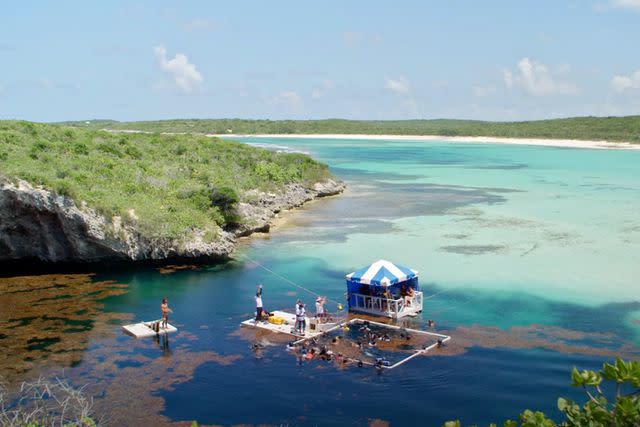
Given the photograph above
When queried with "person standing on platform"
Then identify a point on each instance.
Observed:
(300, 318)
(259, 303)
(164, 308)
(320, 313)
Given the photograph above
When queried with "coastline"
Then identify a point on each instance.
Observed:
(91, 240)
(565, 143)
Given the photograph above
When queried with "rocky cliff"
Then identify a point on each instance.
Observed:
(38, 224)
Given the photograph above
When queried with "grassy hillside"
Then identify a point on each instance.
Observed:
(168, 180)
(586, 128)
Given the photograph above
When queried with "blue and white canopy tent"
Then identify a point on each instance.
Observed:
(375, 279)
(382, 273)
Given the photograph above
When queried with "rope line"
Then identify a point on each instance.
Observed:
(285, 279)
(453, 307)
(437, 293)
(299, 286)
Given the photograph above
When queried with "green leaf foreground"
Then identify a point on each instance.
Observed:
(166, 184)
(620, 410)
(624, 129)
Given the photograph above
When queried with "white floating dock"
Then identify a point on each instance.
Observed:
(312, 329)
(146, 329)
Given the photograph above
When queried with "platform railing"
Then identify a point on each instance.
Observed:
(381, 306)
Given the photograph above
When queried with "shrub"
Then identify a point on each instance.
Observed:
(226, 200)
(46, 403)
(619, 410)
(174, 183)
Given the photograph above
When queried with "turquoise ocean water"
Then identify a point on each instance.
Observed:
(530, 257)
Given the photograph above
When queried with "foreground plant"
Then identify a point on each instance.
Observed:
(45, 403)
(622, 409)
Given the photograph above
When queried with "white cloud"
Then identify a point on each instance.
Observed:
(622, 83)
(508, 78)
(45, 83)
(290, 99)
(358, 38)
(536, 79)
(353, 38)
(200, 24)
(626, 4)
(401, 85)
(185, 74)
(318, 92)
(482, 91)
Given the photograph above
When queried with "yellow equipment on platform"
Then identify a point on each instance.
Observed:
(276, 320)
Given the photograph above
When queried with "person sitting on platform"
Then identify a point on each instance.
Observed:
(403, 293)
(409, 297)
(387, 295)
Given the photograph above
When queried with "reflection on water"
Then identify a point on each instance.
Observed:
(56, 325)
(163, 344)
(48, 321)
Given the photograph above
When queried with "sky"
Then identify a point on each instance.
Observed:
(489, 60)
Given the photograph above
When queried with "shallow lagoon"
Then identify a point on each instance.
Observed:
(543, 243)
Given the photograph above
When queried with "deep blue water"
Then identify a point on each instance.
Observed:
(507, 237)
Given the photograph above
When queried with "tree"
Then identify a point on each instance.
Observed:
(622, 409)
(226, 199)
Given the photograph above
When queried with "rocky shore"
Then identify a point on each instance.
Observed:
(41, 226)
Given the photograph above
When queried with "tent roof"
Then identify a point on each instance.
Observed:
(382, 273)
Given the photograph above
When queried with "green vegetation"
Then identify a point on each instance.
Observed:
(599, 411)
(587, 128)
(170, 183)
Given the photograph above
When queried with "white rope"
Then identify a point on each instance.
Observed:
(437, 293)
(297, 285)
(451, 308)
(286, 280)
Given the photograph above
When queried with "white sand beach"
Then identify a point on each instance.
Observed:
(570, 143)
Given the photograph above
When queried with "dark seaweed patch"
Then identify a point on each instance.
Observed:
(41, 343)
(473, 249)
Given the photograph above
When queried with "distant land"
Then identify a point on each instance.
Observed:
(86, 195)
(614, 129)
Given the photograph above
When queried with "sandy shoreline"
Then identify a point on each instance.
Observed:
(569, 143)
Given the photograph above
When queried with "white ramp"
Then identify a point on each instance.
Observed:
(147, 329)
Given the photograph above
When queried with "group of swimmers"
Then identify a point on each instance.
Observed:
(371, 338)
(310, 350)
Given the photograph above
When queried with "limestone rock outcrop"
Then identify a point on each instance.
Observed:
(40, 225)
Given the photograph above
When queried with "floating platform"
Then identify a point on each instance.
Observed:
(146, 329)
(318, 330)
(313, 329)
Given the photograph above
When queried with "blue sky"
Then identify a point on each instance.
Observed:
(494, 60)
